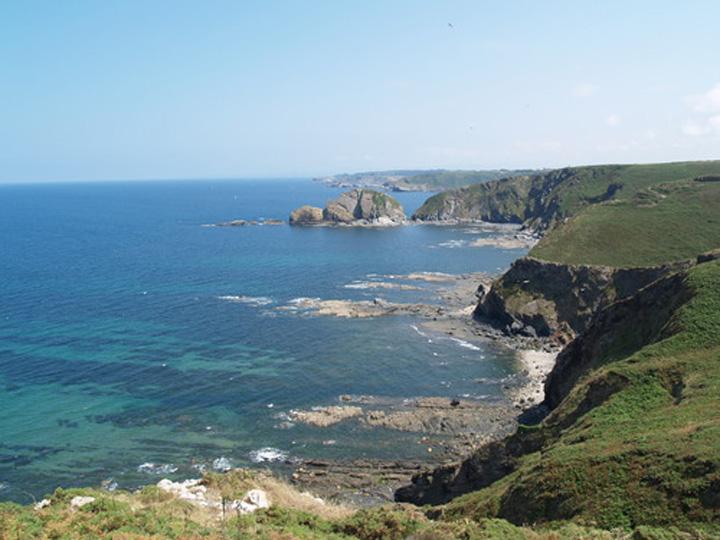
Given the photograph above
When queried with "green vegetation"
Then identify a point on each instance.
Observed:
(646, 454)
(661, 214)
(442, 179)
(613, 215)
(120, 517)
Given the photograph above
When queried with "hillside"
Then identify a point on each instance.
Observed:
(417, 180)
(663, 212)
(633, 437)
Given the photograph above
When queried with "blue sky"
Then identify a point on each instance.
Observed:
(151, 89)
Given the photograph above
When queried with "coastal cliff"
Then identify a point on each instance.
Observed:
(359, 207)
(556, 300)
(631, 437)
(518, 199)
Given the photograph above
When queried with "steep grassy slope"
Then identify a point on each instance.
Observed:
(637, 440)
(667, 222)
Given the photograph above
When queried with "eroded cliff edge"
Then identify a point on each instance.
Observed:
(632, 433)
(557, 301)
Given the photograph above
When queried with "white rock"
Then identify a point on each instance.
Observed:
(79, 502)
(189, 490)
(255, 499)
(313, 497)
(42, 504)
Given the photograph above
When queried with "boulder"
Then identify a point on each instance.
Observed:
(306, 215)
(79, 502)
(191, 490)
(42, 504)
(255, 499)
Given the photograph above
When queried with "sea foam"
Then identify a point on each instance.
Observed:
(250, 300)
(268, 455)
(157, 468)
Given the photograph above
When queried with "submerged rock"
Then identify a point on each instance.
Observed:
(326, 416)
(245, 222)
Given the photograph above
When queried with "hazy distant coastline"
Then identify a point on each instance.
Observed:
(418, 180)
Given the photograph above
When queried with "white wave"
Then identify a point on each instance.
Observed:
(109, 484)
(453, 244)
(222, 464)
(361, 285)
(423, 334)
(465, 344)
(250, 300)
(157, 468)
(3, 486)
(302, 300)
(268, 455)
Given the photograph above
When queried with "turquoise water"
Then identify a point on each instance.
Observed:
(120, 361)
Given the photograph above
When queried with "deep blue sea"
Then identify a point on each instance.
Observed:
(120, 361)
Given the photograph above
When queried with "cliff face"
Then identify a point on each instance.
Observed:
(363, 204)
(555, 300)
(522, 199)
(356, 207)
(633, 433)
(617, 332)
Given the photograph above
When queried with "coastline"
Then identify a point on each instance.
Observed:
(450, 429)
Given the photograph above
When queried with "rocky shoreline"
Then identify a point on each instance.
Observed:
(449, 429)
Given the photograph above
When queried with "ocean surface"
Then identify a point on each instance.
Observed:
(137, 344)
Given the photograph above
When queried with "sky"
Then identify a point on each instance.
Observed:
(105, 90)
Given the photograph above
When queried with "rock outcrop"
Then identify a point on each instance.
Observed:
(306, 215)
(359, 207)
(617, 332)
(541, 298)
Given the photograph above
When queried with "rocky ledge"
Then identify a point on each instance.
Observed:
(358, 208)
(246, 222)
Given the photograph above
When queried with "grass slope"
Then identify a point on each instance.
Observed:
(661, 214)
(149, 515)
(648, 455)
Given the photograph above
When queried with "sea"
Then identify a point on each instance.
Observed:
(137, 343)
